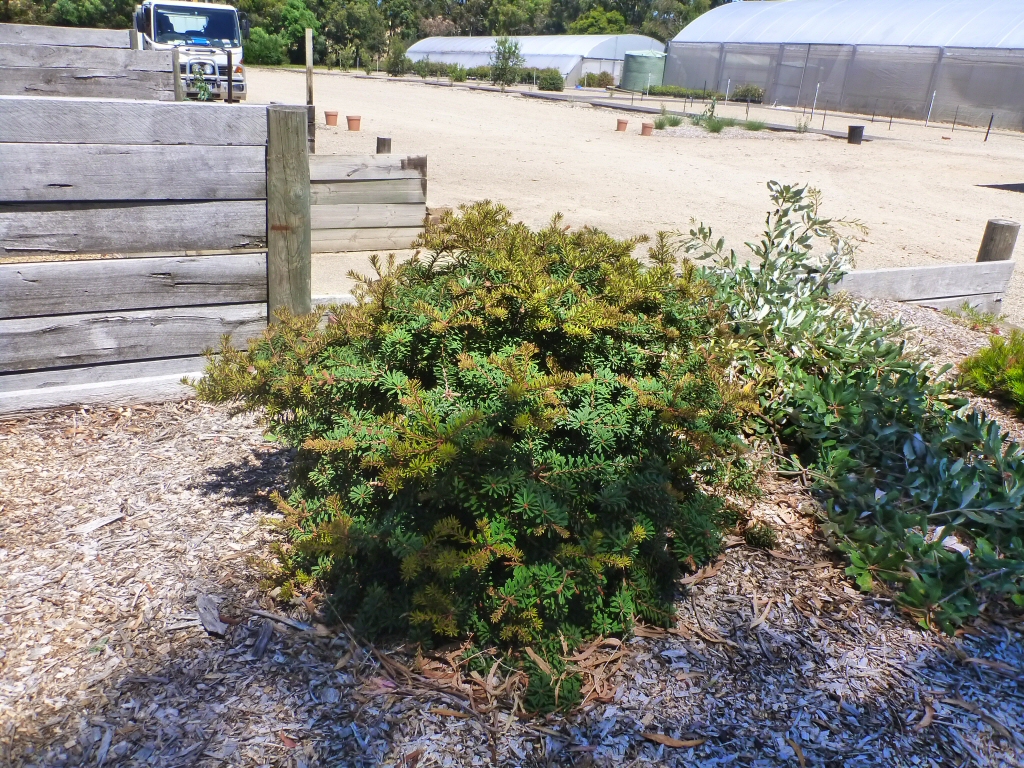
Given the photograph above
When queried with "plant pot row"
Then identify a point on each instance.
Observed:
(646, 129)
(353, 120)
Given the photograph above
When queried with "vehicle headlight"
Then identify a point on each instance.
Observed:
(207, 69)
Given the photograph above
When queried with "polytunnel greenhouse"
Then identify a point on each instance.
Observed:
(572, 55)
(950, 59)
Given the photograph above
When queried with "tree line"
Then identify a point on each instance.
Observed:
(361, 32)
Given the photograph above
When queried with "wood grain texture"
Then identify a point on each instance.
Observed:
(983, 302)
(366, 168)
(386, 238)
(31, 34)
(72, 287)
(95, 83)
(915, 283)
(94, 121)
(288, 225)
(52, 172)
(369, 216)
(136, 391)
(64, 57)
(389, 191)
(99, 374)
(51, 342)
(128, 228)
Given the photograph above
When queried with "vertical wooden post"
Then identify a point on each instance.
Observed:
(134, 41)
(179, 86)
(998, 241)
(311, 117)
(288, 219)
(309, 66)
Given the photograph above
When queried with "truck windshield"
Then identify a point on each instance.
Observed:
(217, 27)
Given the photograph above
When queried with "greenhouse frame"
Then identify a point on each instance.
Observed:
(572, 55)
(942, 60)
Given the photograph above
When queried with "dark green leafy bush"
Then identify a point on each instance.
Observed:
(678, 92)
(263, 48)
(550, 80)
(752, 93)
(479, 73)
(597, 80)
(397, 63)
(924, 497)
(516, 437)
(998, 369)
(761, 536)
(457, 73)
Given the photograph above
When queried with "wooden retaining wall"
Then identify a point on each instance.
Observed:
(366, 202)
(135, 235)
(65, 61)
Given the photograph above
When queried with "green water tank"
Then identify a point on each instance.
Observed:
(641, 69)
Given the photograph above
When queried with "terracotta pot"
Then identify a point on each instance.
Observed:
(331, 118)
(621, 125)
(646, 129)
(353, 122)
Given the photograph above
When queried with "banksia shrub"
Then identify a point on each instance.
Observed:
(514, 437)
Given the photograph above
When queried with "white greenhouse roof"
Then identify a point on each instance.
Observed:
(940, 23)
(560, 52)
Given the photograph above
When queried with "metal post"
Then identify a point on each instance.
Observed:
(873, 111)
(990, 125)
(748, 110)
(890, 121)
(932, 104)
(815, 104)
(728, 87)
(824, 115)
(955, 116)
(704, 93)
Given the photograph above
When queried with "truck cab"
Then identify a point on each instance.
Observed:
(203, 33)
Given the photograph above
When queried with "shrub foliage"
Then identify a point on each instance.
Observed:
(998, 369)
(550, 80)
(517, 437)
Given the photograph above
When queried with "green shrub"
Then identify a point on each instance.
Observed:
(263, 48)
(457, 73)
(515, 437)
(973, 318)
(506, 60)
(660, 123)
(998, 369)
(761, 536)
(678, 92)
(479, 73)
(598, 80)
(752, 93)
(396, 63)
(714, 124)
(925, 499)
(755, 125)
(550, 80)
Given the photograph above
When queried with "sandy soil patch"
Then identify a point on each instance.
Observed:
(920, 195)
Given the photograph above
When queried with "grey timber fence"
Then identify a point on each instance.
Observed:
(134, 235)
(100, 63)
(366, 202)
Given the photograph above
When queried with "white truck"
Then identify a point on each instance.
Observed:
(204, 34)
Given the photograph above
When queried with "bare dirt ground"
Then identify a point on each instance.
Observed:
(921, 195)
(116, 523)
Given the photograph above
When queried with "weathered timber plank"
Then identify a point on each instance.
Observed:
(385, 238)
(369, 216)
(50, 172)
(31, 34)
(366, 167)
(64, 57)
(99, 83)
(71, 287)
(127, 228)
(150, 389)
(914, 283)
(50, 342)
(99, 374)
(289, 266)
(381, 191)
(108, 121)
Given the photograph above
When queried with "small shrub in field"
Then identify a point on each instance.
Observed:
(598, 80)
(550, 80)
(457, 73)
(661, 122)
(479, 73)
(679, 92)
(803, 125)
(754, 125)
(396, 63)
(506, 61)
(715, 124)
(761, 536)
(973, 318)
(998, 369)
(516, 437)
(752, 93)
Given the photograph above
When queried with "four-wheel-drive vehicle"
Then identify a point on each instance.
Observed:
(203, 33)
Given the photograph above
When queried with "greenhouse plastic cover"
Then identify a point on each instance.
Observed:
(940, 23)
(561, 52)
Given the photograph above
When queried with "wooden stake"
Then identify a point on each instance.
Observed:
(990, 125)
(288, 217)
(179, 86)
(309, 66)
(998, 241)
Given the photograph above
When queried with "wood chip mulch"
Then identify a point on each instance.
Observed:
(133, 632)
